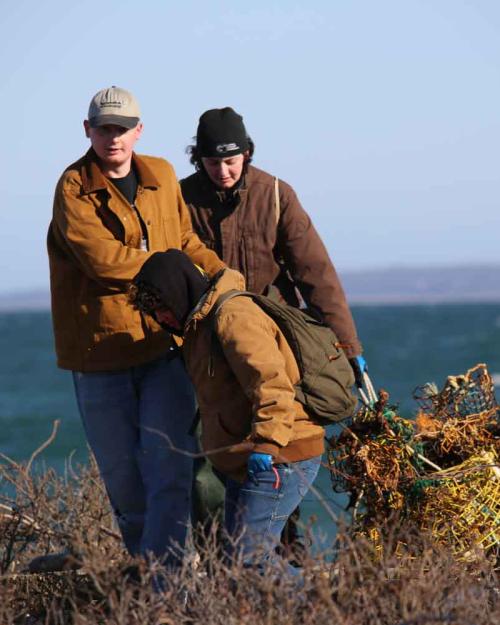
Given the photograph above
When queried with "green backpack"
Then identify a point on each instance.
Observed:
(325, 388)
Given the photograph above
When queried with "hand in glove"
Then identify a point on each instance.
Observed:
(359, 366)
(259, 462)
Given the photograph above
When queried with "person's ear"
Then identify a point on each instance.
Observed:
(138, 130)
(86, 125)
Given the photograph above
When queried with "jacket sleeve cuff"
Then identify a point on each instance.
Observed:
(267, 448)
(352, 349)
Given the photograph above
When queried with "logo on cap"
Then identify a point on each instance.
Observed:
(104, 102)
(222, 148)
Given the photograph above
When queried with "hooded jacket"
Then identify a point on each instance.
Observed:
(248, 403)
(94, 243)
(271, 244)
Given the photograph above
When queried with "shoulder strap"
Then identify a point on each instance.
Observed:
(221, 300)
(277, 208)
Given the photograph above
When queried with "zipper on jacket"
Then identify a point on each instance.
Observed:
(144, 231)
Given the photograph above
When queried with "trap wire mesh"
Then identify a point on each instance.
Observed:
(461, 508)
(441, 470)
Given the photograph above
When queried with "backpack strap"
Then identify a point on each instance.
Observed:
(221, 300)
(277, 207)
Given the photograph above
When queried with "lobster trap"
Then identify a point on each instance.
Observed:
(463, 396)
(441, 471)
(460, 421)
(461, 506)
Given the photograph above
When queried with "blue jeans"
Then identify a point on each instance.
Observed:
(257, 510)
(125, 413)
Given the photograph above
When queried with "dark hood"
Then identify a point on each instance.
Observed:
(175, 279)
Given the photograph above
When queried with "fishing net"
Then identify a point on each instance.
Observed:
(462, 396)
(461, 420)
(440, 471)
(372, 459)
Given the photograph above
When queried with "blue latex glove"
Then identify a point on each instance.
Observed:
(259, 462)
(359, 366)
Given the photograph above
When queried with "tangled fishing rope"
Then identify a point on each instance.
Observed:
(441, 471)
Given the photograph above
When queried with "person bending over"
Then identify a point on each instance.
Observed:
(257, 434)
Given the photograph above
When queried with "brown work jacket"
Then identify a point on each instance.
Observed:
(244, 381)
(94, 246)
(271, 245)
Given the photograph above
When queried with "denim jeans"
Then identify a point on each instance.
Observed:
(257, 510)
(133, 418)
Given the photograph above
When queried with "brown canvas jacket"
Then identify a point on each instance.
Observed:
(248, 236)
(94, 251)
(249, 403)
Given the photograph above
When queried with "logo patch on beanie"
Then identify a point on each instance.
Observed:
(223, 148)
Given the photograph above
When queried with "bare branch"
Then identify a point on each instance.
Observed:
(43, 446)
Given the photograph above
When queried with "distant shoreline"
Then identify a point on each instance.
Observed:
(19, 304)
(475, 284)
(493, 298)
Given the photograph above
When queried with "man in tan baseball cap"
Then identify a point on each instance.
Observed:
(114, 106)
(113, 209)
(113, 127)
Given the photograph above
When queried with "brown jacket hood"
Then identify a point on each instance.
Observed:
(244, 379)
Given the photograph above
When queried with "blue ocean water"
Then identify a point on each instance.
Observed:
(405, 346)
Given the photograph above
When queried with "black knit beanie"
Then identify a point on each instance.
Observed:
(221, 133)
(175, 279)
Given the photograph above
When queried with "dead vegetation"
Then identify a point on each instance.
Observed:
(95, 582)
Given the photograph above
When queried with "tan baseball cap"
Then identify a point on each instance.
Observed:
(114, 106)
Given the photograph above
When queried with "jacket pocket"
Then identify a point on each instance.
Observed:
(214, 435)
(233, 429)
(110, 313)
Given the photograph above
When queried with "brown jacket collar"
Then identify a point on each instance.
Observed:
(224, 281)
(94, 180)
(239, 190)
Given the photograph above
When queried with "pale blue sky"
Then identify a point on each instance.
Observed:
(383, 115)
